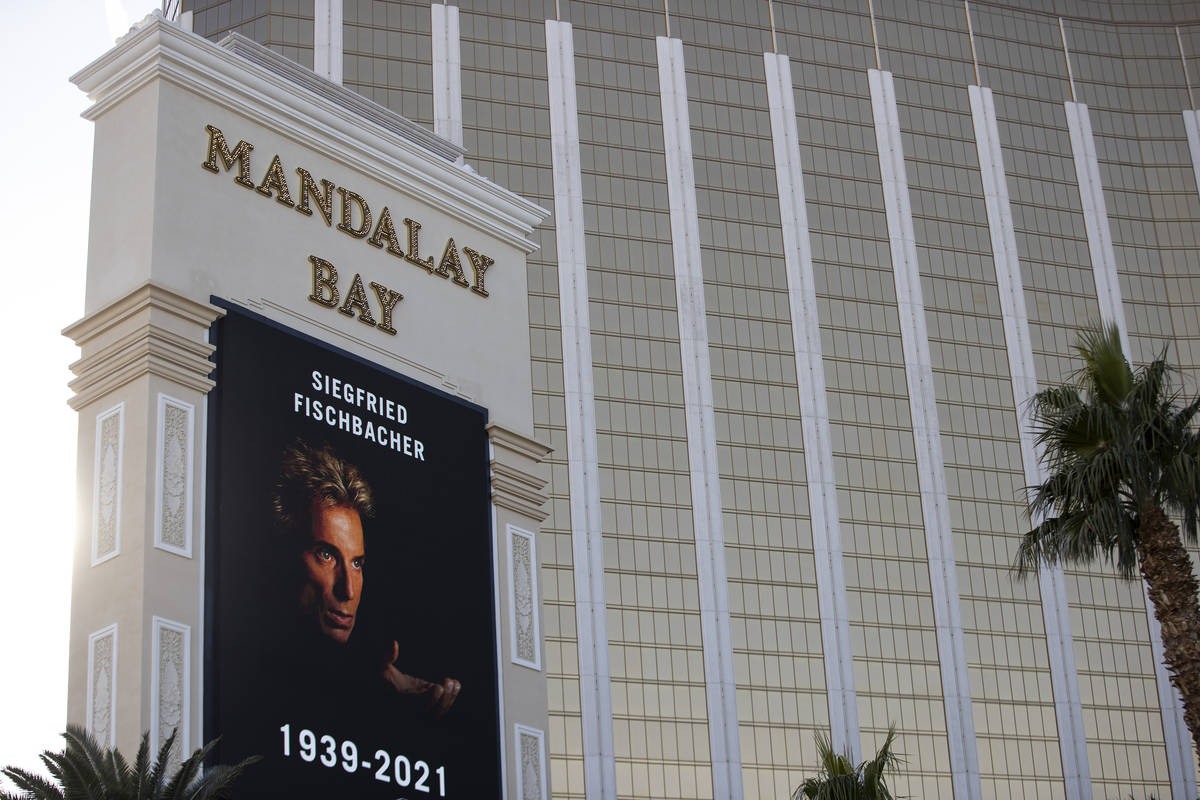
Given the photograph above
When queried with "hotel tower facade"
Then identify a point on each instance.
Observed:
(807, 263)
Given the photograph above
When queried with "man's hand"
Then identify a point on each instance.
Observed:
(438, 696)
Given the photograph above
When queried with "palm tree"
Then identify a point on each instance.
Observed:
(839, 779)
(1123, 457)
(85, 769)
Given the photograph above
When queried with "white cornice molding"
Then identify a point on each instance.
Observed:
(325, 120)
(516, 484)
(151, 330)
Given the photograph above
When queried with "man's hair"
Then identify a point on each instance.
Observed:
(309, 474)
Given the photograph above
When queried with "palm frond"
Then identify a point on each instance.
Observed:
(85, 770)
(839, 779)
(1111, 440)
(1105, 372)
(33, 784)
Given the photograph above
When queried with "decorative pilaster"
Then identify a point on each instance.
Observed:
(140, 388)
(518, 496)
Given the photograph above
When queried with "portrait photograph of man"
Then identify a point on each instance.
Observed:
(350, 622)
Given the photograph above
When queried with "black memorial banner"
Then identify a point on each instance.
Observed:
(350, 623)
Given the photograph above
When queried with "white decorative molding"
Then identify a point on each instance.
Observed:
(173, 471)
(268, 90)
(814, 410)
(725, 747)
(102, 686)
(935, 501)
(447, 72)
(170, 688)
(1191, 124)
(1181, 763)
(106, 484)
(1060, 646)
(143, 333)
(516, 486)
(328, 51)
(531, 767)
(579, 397)
(525, 634)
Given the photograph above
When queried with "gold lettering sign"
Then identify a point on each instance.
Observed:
(325, 292)
(353, 217)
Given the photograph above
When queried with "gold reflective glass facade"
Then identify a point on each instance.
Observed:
(285, 26)
(1125, 64)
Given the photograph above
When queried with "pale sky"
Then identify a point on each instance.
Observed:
(43, 225)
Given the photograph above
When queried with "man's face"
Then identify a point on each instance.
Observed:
(332, 574)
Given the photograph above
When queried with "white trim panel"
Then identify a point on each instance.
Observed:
(530, 745)
(174, 476)
(447, 73)
(583, 471)
(197, 731)
(170, 687)
(935, 502)
(814, 410)
(102, 686)
(1191, 123)
(107, 483)
(500, 710)
(1060, 647)
(525, 635)
(328, 51)
(1180, 760)
(707, 523)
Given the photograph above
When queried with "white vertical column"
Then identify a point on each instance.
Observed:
(1064, 678)
(707, 524)
(1180, 763)
(1191, 123)
(935, 504)
(447, 73)
(327, 39)
(1095, 219)
(583, 471)
(814, 409)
